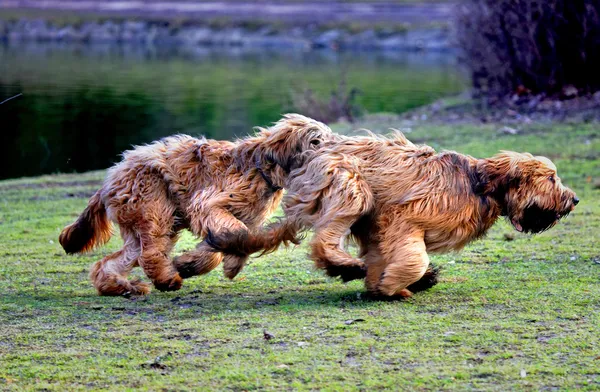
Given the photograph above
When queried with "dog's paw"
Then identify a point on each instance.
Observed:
(347, 273)
(427, 281)
(117, 285)
(353, 273)
(172, 284)
(233, 265)
(137, 287)
(376, 295)
(232, 272)
(186, 266)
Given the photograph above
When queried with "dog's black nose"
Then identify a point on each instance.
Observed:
(575, 200)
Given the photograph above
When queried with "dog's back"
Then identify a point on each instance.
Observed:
(173, 158)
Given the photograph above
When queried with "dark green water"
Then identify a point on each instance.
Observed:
(82, 106)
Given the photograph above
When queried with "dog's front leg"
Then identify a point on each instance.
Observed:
(209, 217)
(198, 261)
(234, 243)
(402, 260)
(267, 239)
(238, 245)
(230, 237)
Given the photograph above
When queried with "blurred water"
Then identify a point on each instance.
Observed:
(83, 105)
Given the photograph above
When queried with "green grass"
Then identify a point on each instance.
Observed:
(508, 315)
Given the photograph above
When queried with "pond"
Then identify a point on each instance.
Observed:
(83, 105)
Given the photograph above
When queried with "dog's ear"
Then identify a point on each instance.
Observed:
(281, 150)
(291, 136)
(277, 148)
(501, 173)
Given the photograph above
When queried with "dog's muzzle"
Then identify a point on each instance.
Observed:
(536, 219)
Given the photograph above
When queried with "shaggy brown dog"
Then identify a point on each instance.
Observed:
(182, 182)
(401, 201)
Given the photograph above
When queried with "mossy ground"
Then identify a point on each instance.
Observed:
(522, 314)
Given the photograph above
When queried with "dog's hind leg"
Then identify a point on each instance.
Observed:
(157, 233)
(376, 264)
(402, 260)
(154, 259)
(109, 275)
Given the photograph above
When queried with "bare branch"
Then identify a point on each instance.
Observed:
(11, 98)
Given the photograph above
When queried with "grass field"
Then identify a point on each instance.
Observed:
(513, 312)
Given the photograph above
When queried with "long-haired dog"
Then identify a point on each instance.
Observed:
(401, 201)
(183, 182)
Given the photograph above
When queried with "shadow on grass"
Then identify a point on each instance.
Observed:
(182, 305)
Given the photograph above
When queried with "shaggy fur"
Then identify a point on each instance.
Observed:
(401, 201)
(219, 190)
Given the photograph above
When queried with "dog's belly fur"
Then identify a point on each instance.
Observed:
(451, 239)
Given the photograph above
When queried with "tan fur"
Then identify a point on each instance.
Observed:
(90, 229)
(214, 188)
(401, 201)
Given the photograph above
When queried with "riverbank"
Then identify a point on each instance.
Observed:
(163, 33)
(378, 25)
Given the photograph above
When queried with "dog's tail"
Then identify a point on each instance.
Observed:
(91, 229)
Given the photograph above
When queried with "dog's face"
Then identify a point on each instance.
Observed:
(535, 198)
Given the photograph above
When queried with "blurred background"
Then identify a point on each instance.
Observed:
(97, 77)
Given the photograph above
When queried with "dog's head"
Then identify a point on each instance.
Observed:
(529, 190)
(286, 141)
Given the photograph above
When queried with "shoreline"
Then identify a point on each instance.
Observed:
(304, 25)
(160, 33)
(289, 11)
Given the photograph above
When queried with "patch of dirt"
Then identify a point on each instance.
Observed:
(268, 301)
